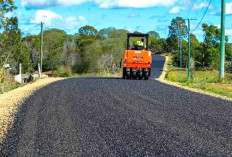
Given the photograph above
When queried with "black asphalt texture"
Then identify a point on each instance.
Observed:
(83, 117)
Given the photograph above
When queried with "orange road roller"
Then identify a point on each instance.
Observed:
(137, 61)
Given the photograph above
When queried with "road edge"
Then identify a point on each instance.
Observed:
(11, 101)
(163, 80)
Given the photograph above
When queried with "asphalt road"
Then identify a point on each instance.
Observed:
(116, 117)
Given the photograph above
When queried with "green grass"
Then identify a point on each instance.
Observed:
(205, 80)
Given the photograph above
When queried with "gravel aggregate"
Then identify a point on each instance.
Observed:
(116, 117)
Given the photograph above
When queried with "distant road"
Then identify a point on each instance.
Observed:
(157, 66)
(116, 117)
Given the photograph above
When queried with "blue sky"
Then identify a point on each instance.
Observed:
(133, 15)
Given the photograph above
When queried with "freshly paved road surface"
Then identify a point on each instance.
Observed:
(157, 66)
(115, 117)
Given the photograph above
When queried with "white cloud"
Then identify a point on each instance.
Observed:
(71, 22)
(198, 32)
(229, 32)
(13, 14)
(176, 10)
(45, 16)
(46, 3)
(53, 19)
(134, 3)
(100, 3)
(200, 6)
(229, 8)
(133, 15)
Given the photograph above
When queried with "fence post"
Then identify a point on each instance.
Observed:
(20, 73)
(39, 70)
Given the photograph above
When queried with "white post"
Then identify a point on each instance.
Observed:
(20, 73)
(39, 70)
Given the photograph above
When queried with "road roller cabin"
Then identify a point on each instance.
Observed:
(137, 58)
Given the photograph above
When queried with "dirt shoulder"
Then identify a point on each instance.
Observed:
(10, 101)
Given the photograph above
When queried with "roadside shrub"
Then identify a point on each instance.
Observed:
(81, 68)
(63, 71)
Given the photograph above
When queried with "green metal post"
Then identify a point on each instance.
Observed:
(189, 50)
(41, 47)
(222, 52)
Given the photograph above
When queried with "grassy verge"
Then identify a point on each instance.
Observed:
(8, 84)
(207, 81)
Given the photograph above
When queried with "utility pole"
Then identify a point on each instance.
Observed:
(189, 49)
(180, 46)
(41, 48)
(222, 46)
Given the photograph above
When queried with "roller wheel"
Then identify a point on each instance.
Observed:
(124, 74)
(146, 75)
(140, 75)
(134, 75)
(128, 75)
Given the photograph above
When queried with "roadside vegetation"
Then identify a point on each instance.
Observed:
(204, 60)
(206, 80)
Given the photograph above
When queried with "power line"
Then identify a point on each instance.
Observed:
(204, 4)
(203, 16)
(31, 28)
(201, 12)
(191, 9)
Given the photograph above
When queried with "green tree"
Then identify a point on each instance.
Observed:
(211, 46)
(54, 56)
(211, 35)
(5, 7)
(33, 43)
(106, 32)
(24, 57)
(5, 52)
(172, 43)
(178, 27)
(154, 34)
(11, 43)
(228, 52)
(88, 31)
